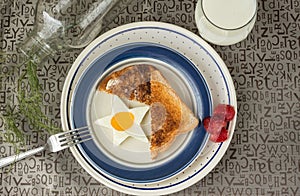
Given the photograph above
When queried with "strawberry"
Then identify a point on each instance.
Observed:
(206, 121)
(227, 111)
(221, 137)
(213, 125)
(216, 125)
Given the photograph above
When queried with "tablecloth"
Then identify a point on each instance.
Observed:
(264, 155)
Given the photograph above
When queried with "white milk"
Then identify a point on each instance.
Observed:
(225, 22)
(229, 14)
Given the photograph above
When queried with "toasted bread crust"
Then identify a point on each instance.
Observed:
(165, 134)
(144, 83)
(132, 83)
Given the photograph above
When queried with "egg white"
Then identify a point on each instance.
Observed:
(135, 131)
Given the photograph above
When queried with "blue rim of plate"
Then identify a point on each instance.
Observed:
(89, 150)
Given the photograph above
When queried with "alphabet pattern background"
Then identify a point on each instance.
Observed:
(264, 155)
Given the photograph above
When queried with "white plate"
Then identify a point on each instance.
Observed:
(196, 51)
(131, 161)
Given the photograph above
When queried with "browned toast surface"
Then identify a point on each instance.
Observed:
(169, 114)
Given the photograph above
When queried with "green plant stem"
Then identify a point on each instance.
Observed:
(30, 102)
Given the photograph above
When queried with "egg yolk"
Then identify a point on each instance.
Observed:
(122, 121)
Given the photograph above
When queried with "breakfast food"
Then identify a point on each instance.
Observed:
(145, 84)
(124, 122)
(216, 125)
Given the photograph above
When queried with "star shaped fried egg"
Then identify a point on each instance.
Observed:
(124, 122)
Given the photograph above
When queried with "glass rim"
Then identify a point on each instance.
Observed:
(230, 29)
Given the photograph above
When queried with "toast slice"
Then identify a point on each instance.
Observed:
(169, 114)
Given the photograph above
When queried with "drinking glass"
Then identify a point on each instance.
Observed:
(225, 22)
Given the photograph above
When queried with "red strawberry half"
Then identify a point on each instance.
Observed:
(213, 125)
(225, 110)
(221, 137)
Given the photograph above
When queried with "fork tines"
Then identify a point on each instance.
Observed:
(75, 136)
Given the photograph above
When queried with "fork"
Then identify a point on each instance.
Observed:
(54, 143)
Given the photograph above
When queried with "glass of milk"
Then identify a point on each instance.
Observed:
(225, 22)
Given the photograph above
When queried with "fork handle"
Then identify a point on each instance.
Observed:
(14, 158)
